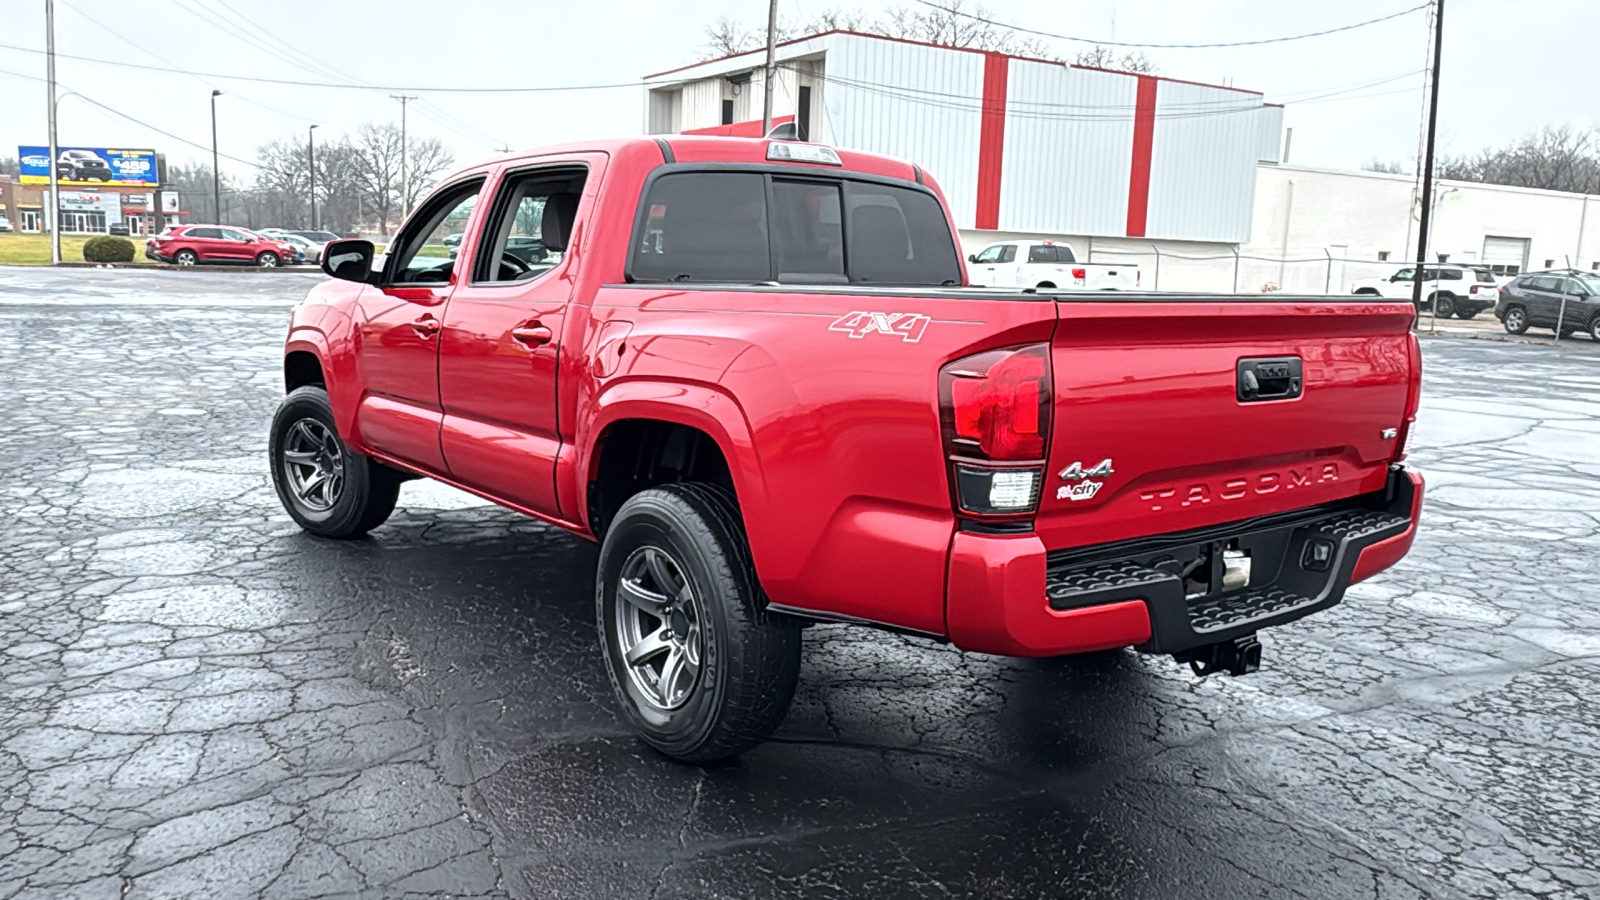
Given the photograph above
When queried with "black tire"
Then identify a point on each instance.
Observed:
(749, 659)
(185, 258)
(1444, 305)
(268, 260)
(1515, 320)
(1594, 327)
(366, 489)
(1045, 286)
(1467, 313)
(1368, 292)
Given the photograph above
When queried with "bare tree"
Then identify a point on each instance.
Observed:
(1389, 167)
(1557, 158)
(949, 24)
(193, 186)
(1102, 57)
(376, 168)
(953, 23)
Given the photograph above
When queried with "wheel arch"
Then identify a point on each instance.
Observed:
(680, 432)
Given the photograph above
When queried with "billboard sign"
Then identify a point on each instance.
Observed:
(88, 166)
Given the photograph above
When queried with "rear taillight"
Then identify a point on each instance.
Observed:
(1080, 275)
(1413, 399)
(995, 408)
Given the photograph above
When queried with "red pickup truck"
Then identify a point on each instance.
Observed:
(753, 372)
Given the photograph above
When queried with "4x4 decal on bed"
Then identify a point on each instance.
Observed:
(858, 324)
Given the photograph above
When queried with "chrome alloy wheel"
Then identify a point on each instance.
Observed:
(658, 628)
(1514, 320)
(313, 464)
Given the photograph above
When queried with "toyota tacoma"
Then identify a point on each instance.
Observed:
(754, 372)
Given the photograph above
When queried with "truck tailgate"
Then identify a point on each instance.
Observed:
(1154, 387)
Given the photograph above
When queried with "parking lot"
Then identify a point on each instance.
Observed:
(197, 700)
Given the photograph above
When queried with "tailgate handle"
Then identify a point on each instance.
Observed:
(1273, 378)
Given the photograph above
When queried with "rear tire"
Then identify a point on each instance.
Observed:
(1444, 305)
(1516, 320)
(185, 258)
(701, 669)
(327, 488)
(268, 260)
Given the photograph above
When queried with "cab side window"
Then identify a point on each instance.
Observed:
(419, 254)
(990, 254)
(1041, 254)
(529, 228)
(1008, 253)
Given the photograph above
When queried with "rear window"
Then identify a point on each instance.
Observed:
(720, 227)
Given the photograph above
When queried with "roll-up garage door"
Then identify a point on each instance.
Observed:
(1505, 256)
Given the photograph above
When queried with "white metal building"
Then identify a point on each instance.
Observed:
(1019, 145)
(1179, 178)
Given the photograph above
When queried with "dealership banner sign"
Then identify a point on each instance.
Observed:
(89, 166)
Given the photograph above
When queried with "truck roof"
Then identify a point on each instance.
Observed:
(717, 149)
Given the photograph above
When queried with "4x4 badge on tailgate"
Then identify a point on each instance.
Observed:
(1076, 471)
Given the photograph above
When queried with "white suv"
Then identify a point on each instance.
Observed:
(1454, 290)
(5, 224)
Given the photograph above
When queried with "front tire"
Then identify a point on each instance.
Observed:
(1516, 320)
(1467, 313)
(701, 669)
(327, 488)
(268, 260)
(1594, 327)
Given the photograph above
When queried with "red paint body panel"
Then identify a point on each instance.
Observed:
(834, 442)
(996, 604)
(1386, 553)
(1144, 138)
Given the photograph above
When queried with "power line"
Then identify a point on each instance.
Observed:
(327, 84)
(1065, 37)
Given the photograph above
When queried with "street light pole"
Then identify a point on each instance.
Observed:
(405, 148)
(54, 217)
(311, 151)
(216, 174)
(771, 70)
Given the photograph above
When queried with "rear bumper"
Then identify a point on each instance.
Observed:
(1007, 595)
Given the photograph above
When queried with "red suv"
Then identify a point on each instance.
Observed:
(188, 245)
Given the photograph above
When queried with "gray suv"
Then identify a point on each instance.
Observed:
(1565, 301)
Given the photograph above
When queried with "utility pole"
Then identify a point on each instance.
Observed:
(216, 173)
(50, 65)
(311, 151)
(405, 149)
(1427, 156)
(766, 92)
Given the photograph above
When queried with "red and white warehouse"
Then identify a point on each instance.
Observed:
(1021, 146)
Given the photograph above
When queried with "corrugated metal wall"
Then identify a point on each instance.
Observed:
(1269, 133)
(1067, 163)
(1069, 139)
(1203, 163)
(917, 103)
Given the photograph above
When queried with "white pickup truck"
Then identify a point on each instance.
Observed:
(1047, 266)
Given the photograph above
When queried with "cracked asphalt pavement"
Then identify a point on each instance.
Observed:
(197, 700)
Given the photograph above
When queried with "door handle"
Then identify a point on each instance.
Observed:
(532, 335)
(427, 326)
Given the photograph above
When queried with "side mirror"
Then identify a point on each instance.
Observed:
(349, 260)
(973, 257)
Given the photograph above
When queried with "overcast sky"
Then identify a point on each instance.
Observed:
(1504, 72)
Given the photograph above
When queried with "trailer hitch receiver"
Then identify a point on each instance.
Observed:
(1240, 656)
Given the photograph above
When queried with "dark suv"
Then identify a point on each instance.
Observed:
(82, 165)
(1567, 301)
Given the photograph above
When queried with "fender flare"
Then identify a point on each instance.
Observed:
(706, 407)
(337, 376)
